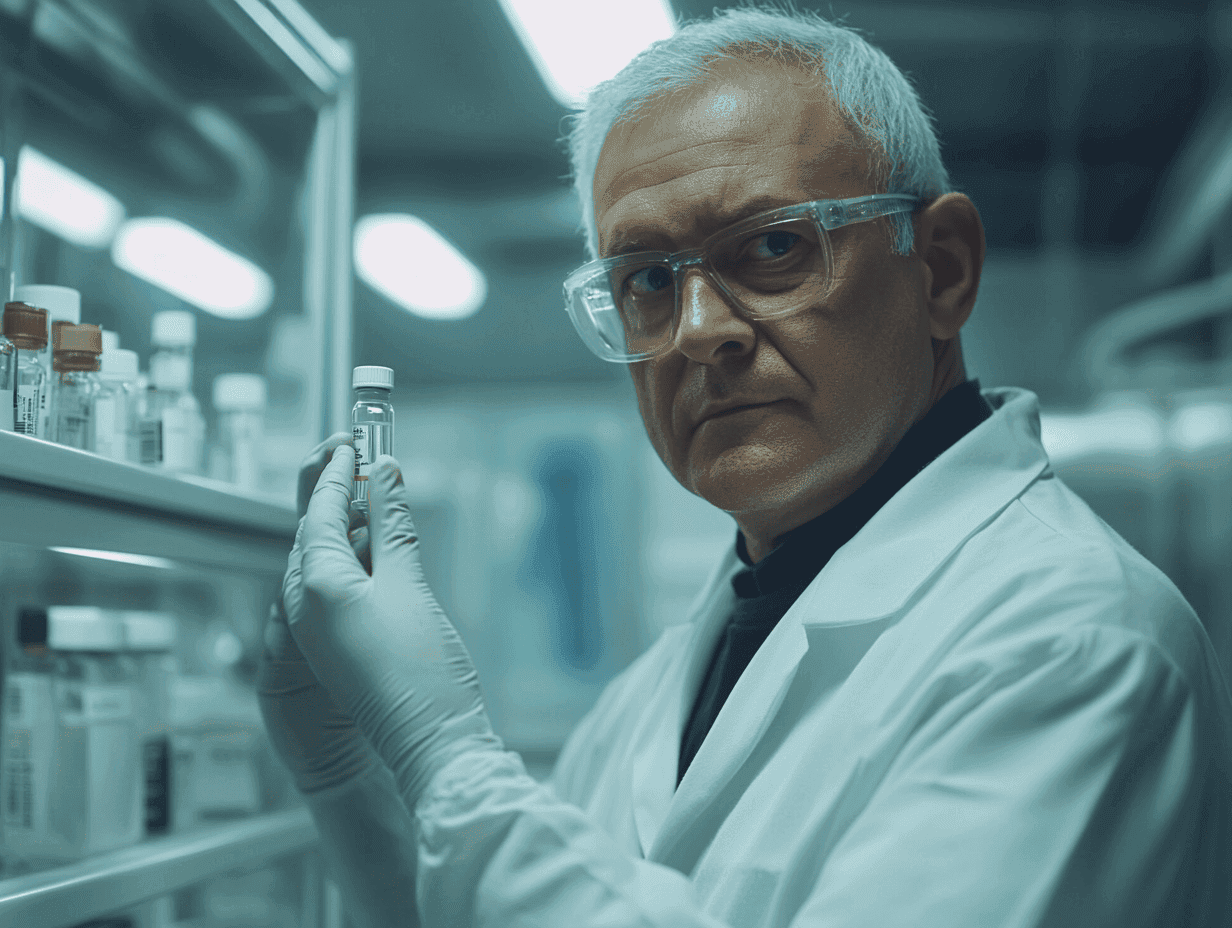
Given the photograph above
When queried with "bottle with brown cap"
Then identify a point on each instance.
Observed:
(26, 327)
(75, 360)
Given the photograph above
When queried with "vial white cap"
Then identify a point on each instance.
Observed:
(174, 328)
(111, 341)
(71, 628)
(63, 304)
(239, 392)
(148, 631)
(118, 364)
(372, 376)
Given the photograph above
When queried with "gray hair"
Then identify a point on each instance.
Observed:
(874, 98)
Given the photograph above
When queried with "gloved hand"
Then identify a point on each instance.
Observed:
(381, 644)
(318, 742)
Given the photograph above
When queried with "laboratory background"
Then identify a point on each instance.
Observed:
(215, 210)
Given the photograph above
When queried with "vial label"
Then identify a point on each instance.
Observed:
(372, 439)
(27, 407)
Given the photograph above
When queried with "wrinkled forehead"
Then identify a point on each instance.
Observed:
(740, 111)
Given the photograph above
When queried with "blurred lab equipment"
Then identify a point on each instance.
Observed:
(239, 400)
(171, 430)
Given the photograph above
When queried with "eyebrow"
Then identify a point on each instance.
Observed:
(643, 237)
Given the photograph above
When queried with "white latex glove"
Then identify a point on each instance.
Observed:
(381, 644)
(318, 742)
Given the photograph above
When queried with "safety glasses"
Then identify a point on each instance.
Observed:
(770, 265)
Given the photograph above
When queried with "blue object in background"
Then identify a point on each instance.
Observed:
(561, 557)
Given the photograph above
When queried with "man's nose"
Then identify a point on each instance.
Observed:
(708, 322)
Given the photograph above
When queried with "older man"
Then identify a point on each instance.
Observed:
(926, 686)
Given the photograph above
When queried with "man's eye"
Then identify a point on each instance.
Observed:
(648, 280)
(773, 244)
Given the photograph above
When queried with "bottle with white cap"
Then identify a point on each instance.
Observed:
(63, 305)
(372, 425)
(171, 430)
(240, 402)
(115, 406)
(150, 642)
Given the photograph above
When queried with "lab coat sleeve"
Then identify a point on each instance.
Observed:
(1061, 787)
(368, 841)
(499, 849)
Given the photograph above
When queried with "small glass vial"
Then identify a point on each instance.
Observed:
(240, 402)
(26, 327)
(171, 431)
(75, 360)
(63, 305)
(372, 426)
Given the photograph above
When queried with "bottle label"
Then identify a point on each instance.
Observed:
(156, 761)
(94, 703)
(26, 757)
(27, 406)
(150, 440)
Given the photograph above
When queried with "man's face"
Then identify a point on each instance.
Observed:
(848, 377)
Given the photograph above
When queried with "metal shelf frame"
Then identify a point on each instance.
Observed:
(122, 879)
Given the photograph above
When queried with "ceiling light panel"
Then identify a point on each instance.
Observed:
(575, 45)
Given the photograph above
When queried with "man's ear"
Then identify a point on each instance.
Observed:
(949, 239)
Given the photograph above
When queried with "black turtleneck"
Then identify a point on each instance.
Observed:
(766, 590)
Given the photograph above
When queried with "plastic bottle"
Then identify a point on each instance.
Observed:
(63, 304)
(372, 425)
(149, 640)
(240, 401)
(76, 350)
(26, 327)
(171, 430)
(116, 405)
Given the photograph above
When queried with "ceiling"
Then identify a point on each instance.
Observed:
(1060, 119)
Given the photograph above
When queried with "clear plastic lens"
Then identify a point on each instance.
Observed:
(766, 272)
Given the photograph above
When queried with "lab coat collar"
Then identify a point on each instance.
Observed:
(916, 531)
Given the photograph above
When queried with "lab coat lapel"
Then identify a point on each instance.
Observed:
(744, 718)
(657, 752)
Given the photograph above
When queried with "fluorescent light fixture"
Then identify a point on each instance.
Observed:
(141, 560)
(576, 44)
(405, 260)
(1201, 425)
(63, 202)
(198, 270)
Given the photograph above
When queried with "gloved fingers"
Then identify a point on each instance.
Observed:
(392, 530)
(293, 580)
(360, 545)
(311, 467)
(330, 567)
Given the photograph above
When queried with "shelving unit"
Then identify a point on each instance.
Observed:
(237, 119)
(111, 882)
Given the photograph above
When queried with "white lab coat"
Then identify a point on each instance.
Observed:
(986, 710)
